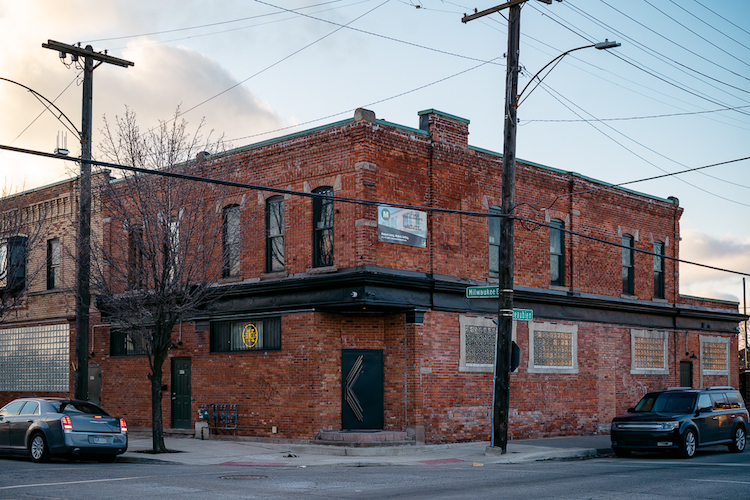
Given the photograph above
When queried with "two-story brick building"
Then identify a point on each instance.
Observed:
(344, 304)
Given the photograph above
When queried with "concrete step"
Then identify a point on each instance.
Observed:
(363, 438)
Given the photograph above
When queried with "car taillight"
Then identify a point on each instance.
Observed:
(66, 423)
(123, 425)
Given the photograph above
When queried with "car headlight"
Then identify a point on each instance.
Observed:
(668, 426)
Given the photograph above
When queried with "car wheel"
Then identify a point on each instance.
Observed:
(739, 439)
(622, 452)
(38, 450)
(689, 444)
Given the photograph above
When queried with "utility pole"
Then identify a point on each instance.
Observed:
(501, 389)
(744, 306)
(83, 292)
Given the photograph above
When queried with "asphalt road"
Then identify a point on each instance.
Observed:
(710, 475)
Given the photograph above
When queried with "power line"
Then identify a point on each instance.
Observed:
(343, 199)
(647, 117)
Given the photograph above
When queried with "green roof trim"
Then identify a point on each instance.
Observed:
(705, 299)
(436, 112)
(403, 127)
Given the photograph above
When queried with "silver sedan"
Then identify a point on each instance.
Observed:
(43, 427)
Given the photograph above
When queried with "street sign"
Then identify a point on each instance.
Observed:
(482, 292)
(491, 292)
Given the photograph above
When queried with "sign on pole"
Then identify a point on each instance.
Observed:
(491, 292)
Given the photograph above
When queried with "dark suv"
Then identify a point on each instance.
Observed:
(681, 419)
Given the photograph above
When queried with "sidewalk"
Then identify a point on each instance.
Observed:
(191, 451)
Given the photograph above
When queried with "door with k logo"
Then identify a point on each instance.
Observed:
(361, 389)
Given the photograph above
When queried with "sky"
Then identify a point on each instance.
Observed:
(674, 96)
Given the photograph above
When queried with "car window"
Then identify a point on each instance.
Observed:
(12, 408)
(30, 408)
(704, 401)
(735, 400)
(718, 401)
(676, 402)
(72, 407)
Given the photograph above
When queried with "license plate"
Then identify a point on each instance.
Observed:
(100, 440)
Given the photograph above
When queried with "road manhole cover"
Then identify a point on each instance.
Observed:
(246, 476)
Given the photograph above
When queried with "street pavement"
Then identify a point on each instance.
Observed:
(237, 451)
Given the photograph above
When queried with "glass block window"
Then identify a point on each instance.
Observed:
(714, 356)
(35, 358)
(553, 348)
(480, 345)
(648, 351)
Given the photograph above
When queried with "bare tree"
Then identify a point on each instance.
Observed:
(165, 249)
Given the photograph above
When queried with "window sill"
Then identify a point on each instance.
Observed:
(54, 290)
(274, 275)
(230, 279)
(627, 296)
(660, 301)
(322, 270)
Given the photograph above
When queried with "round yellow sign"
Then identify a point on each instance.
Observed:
(250, 335)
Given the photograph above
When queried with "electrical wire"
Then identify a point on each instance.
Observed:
(344, 199)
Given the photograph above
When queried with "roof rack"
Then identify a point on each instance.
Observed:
(720, 388)
(679, 388)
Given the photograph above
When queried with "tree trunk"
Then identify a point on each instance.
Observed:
(157, 427)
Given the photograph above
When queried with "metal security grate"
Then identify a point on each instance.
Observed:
(714, 356)
(35, 358)
(553, 349)
(480, 345)
(649, 352)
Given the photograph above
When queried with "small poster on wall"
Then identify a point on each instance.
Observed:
(402, 225)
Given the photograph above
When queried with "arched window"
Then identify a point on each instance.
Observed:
(231, 267)
(658, 269)
(494, 242)
(275, 234)
(628, 268)
(557, 252)
(323, 227)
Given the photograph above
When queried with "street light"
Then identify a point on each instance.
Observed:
(606, 44)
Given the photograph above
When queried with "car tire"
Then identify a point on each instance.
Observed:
(739, 440)
(688, 444)
(38, 450)
(622, 452)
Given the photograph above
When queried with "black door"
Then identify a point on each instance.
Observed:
(181, 406)
(686, 374)
(361, 389)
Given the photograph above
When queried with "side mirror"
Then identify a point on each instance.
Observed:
(707, 409)
(631, 410)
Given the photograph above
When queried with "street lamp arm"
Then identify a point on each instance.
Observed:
(606, 44)
(49, 104)
(555, 61)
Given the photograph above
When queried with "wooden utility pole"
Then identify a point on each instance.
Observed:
(501, 387)
(83, 292)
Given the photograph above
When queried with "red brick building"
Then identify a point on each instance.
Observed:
(338, 313)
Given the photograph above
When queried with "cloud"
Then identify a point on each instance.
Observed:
(725, 252)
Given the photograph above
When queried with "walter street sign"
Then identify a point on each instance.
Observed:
(491, 292)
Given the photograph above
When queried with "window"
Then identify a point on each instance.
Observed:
(53, 264)
(648, 352)
(553, 348)
(121, 343)
(231, 265)
(262, 334)
(556, 253)
(714, 355)
(494, 243)
(658, 270)
(35, 358)
(172, 247)
(628, 287)
(275, 234)
(135, 256)
(323, 227)
(13, 264)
